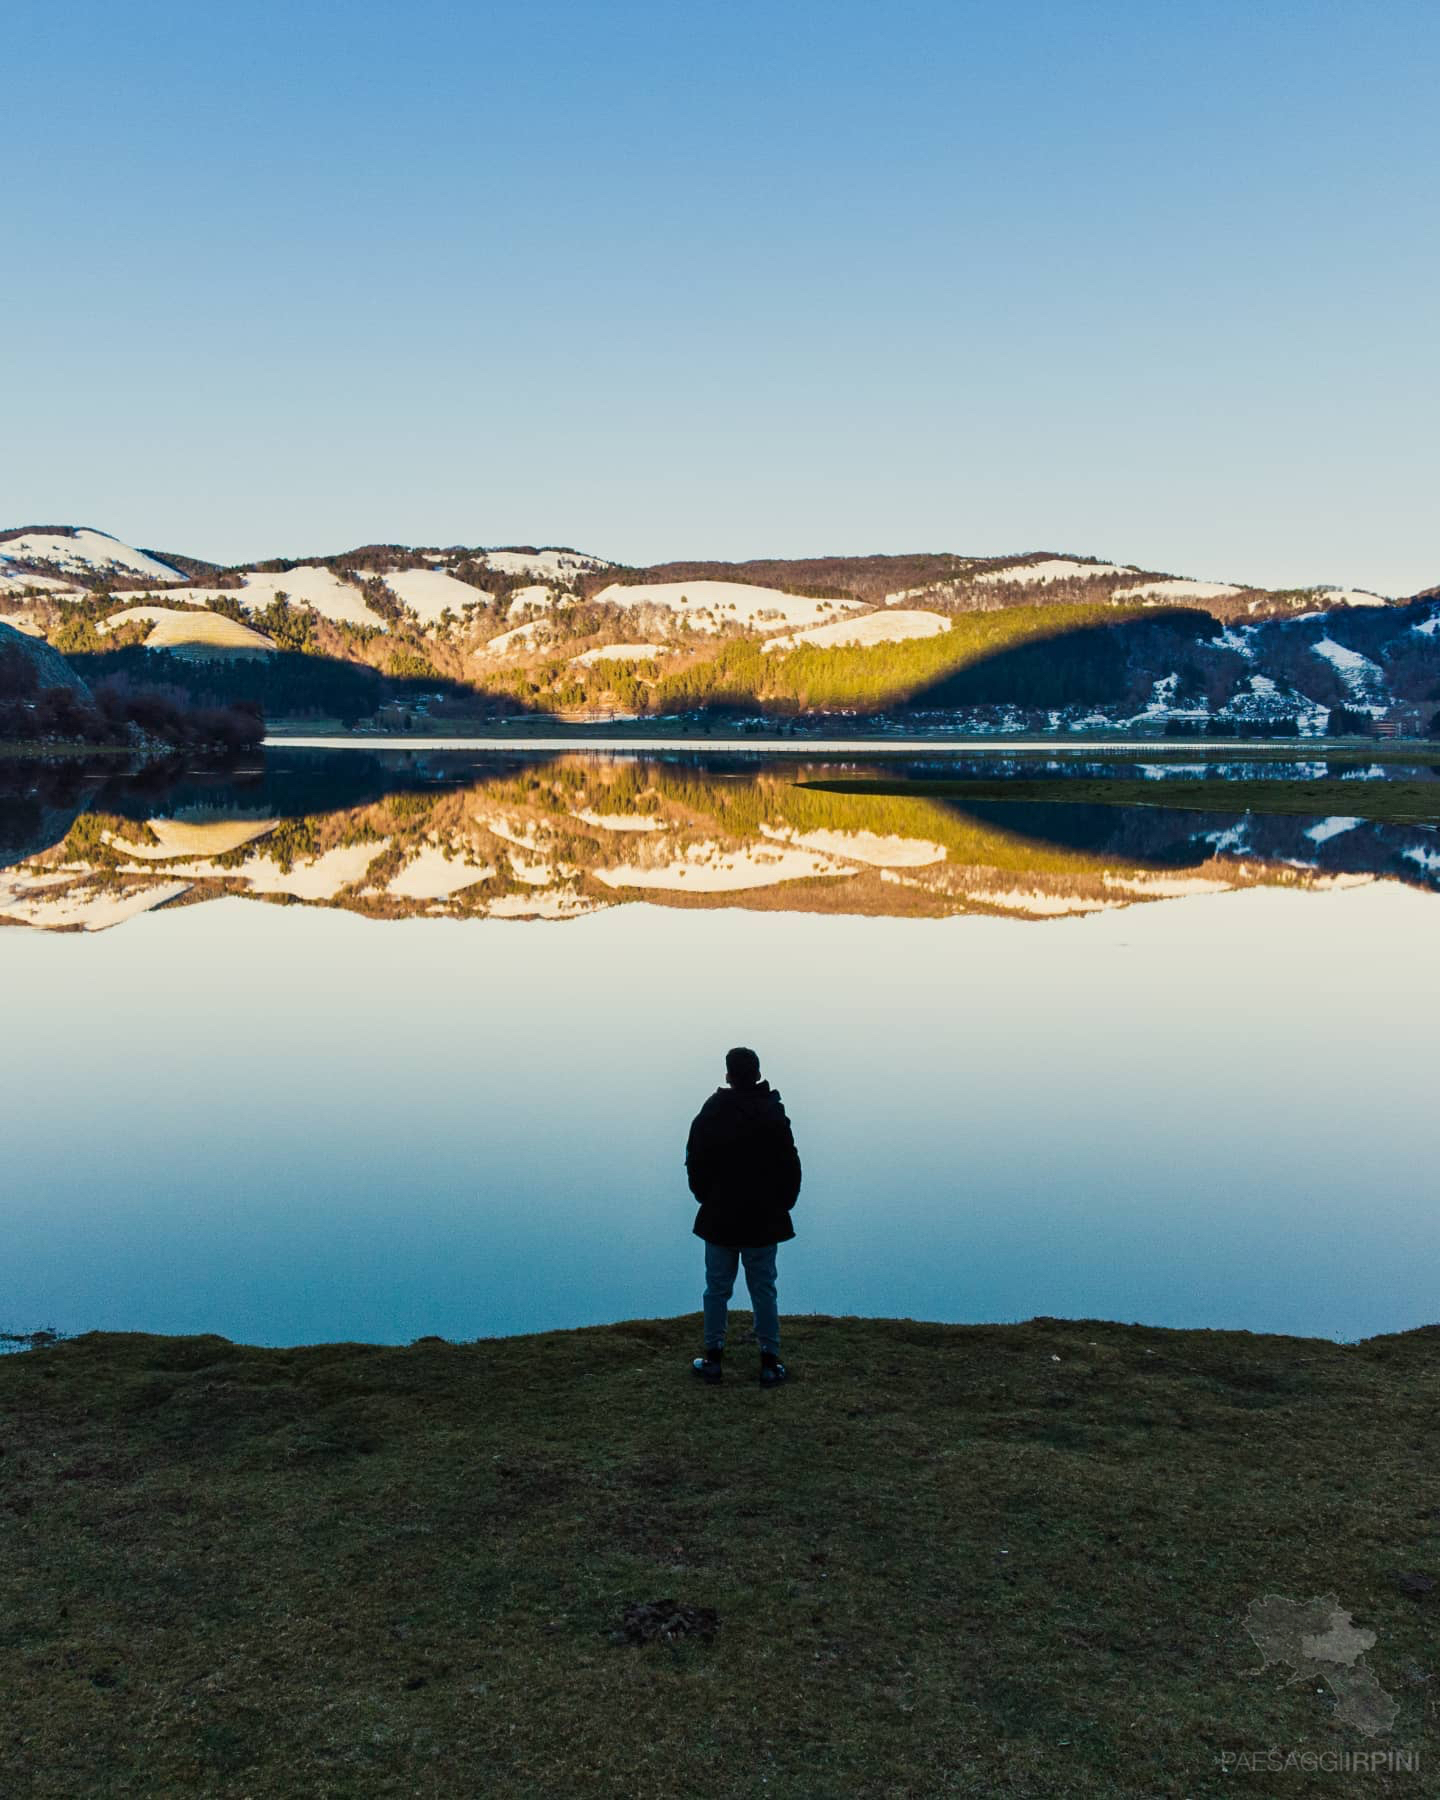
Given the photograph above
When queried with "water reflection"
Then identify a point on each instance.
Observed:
(511, 837)
(290, 1125)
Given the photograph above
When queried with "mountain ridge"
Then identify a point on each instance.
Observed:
(1036, 640)
(868, 575)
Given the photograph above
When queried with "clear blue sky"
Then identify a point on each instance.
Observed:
(1159, 282)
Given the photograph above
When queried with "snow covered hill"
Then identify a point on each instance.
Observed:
(430, 593)
(190, 630)
(891, 625)
(1365, 679)
(545, 565)
(1055, 568)
(76, 552)
(763, 596)
(707, 605)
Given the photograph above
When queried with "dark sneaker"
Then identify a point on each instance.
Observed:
(772, 1370)
(708, 1367)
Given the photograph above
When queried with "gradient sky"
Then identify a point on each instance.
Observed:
(1154, 282)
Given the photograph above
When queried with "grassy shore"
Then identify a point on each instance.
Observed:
(29, 750)
(990, 1560)
(1396, 801)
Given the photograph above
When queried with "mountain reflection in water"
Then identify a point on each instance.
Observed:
(297, 1126)
(513, 837)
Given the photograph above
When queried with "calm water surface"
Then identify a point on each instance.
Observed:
(407, 1047)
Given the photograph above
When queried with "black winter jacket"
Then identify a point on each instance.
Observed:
(743, 1168)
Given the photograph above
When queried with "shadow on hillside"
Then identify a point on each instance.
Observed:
(1101, 665)
(291, 685)
(1140, 835)
(1177, 840)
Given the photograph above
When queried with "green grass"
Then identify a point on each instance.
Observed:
(992, 1560)
(29, 750)
(1394, 802)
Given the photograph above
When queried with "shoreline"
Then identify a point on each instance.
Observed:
(24, 1343)
(1211, 749)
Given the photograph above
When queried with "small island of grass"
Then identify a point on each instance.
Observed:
(1395, 801)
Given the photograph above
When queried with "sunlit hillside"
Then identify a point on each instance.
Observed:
(1041, 640)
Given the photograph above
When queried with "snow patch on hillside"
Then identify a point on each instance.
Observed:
(707, 605)
(316, 878)
(320, 589)
(316, 588)
(872, 848)
(708, 868)
(1055, 568)
(1351, 597)
(891, 627)
(188, 835)
(1178, 589)
(87, 553)
(519, 637)
(27, 903)
(1365, 679)
(1036, 903)
(176, 628)
(19, 585)
(537, 598)
(1162, 705)
(136, 615)
(162, 600)
(1165, 887)
(431, 875)
(555, 903)
(1329, 828)
(623, 653)
(552, 563)
(428, 592)
(619, 821)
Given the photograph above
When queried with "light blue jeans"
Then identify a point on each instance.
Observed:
(721, 1267)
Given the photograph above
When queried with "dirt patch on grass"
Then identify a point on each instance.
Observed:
(665, 1622)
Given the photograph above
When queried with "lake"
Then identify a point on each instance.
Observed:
(364, 1046)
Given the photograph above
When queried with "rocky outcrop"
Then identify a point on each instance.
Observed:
(50, 668)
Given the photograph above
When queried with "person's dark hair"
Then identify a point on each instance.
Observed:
(742, 1066)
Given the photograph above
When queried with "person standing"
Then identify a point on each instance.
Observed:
(744, 1169)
